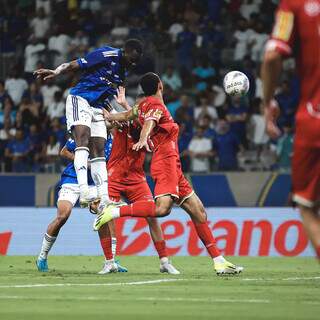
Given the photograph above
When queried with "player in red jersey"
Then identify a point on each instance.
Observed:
(160, 133)
(126, 178)
(296, 32)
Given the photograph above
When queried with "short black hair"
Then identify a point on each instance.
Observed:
(149, 83)
(134, 44)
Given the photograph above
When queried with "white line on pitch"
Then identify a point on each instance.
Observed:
(284, 279)
(159, 299)
(136, 283)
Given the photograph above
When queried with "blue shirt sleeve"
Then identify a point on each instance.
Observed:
(70, 145)
(96, 57)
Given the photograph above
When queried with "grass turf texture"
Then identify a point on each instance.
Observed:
(280, 288)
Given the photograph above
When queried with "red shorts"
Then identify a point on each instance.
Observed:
(169, 179)
(133, 192)
(306, 175)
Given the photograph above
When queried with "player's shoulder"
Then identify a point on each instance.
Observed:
(293, 5)
(108, 51)
(150, 102)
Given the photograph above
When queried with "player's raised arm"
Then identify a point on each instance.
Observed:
(144, 135)
(66, 154)
(66, 67)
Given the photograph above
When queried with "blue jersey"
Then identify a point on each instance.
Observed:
(102, 74)
(69, 173)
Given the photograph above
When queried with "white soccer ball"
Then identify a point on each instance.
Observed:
(236, 83)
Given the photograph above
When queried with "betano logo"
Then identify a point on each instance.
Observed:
(233, 239)
(5, 238)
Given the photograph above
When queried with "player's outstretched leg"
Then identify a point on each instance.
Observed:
(81, 135)
(157, 237)
(194, 207)
(99, 169)
(311, 222)
(63, 213)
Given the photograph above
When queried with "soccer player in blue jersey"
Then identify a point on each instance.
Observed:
(68, 196)
(104, 70)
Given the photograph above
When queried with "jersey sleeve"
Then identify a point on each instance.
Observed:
(70, 145)
(154, 112)
(283, 33)
(96, 57)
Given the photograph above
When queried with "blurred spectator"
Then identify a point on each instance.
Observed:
(57, 108)
(15, 86)
(218, 96)
(119, 33)
(79, 44)
(58, 45)
(248, 7)
(17, 151)
(185, 113)
(206, 123)
(40, 24)
(237, 116)
(58, 131)
(257, 41)
(175, 29)
(200, 151)
(36, 147)
(203, 72)
(226, 144)
(172, 78)
(204, 108)
(185, 45)
(259, 137)
(5, 102)
(185, 137)
(32, 54)
(241, 36)
(6, 133)
(285, 147)
(48, 90)
(52, 154)
(45, 4)
(288, 102)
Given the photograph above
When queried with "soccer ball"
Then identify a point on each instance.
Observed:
(236, 83)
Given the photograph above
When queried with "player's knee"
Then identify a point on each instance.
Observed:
(163, 210)
(62, 219)
(200, 214)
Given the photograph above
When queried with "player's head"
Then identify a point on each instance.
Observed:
(151, 84)
(133, 51)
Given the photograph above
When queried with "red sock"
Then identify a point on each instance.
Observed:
(139, 209)
(207, 239)
(106, 247)
(161, 248)
(318, 253)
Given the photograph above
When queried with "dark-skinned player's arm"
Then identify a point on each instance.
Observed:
(66, 154)
(270, 72)
(66, 67)
(144, 136)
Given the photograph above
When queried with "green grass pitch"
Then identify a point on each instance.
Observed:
(270, 288)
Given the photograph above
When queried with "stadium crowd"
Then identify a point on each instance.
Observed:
(191, 44)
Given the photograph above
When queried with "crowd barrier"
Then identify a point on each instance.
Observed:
(239, 231)
(232, 189)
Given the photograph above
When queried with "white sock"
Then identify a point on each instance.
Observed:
(164, 260)
(219, 259)
(100, 177)
(81, 155)
(47, 244)
(114, 246)
(115, 213)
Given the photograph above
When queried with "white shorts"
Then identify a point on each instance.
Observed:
(79, 112)
(71, 192)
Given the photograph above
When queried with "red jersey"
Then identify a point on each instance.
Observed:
(297, 32)
(126, 165)
(164, 136)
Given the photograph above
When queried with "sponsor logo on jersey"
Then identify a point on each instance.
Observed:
(312, 8)
(110, 53)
